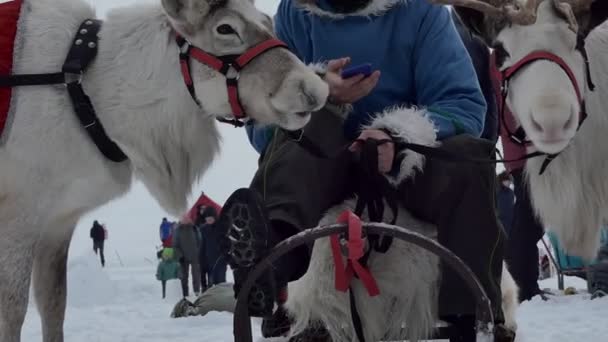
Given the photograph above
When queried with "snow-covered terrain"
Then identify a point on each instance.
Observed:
(119, 304)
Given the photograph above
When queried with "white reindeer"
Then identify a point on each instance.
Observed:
(571, 196)
(50, 171)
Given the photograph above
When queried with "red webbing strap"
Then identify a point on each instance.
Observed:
(205, 58)
(544, 55)
(9, 16)
(345, 274)
(257, 50)
(186, 71)
(233, 99)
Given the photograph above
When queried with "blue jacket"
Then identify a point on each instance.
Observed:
(416, 47)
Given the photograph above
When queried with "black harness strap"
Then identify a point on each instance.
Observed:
(372, 190)
(83, 51)
(31, 80)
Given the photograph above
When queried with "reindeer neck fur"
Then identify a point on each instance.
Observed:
(140, 87)
(571, 197)
(139, 96)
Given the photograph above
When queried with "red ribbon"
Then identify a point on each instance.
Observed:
(356, 245)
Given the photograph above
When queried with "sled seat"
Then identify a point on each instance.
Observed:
(566, 264)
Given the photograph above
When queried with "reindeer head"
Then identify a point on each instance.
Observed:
(541, 94)
(273, 88)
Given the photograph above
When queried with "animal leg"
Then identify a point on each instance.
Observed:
(50, 281)
(16, 258)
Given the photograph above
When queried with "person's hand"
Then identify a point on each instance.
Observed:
(345, 91)
(386, 151)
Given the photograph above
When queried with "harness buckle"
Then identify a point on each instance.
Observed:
(504, 87)
(232, 73)
(71, 78)
(183, 48)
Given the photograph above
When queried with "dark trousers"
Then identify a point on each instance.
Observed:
(214, 274)
(522, 250)
(217, 274)
(98, 249)
(186, 267)
(298, 188)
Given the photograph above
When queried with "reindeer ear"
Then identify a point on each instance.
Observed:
(478, 23)
(594, 17)
(186, 15)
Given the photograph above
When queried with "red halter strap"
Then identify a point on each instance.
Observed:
(229, 66)
(519, 136)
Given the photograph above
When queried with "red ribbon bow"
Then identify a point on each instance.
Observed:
(344, 275)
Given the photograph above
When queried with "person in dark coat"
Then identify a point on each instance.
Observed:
(505, 200)
(293, 189)
(98, 235)
(215, 262)
(186, 244)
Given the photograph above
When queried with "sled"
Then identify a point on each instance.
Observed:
(568, 265)
(242, 320)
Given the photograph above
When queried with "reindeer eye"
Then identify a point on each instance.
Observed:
(225, 29)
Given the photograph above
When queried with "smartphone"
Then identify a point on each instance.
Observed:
(362, 69)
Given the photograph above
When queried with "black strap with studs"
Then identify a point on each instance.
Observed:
(82, 52)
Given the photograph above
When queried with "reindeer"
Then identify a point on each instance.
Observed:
(51, 173)
(549, 97)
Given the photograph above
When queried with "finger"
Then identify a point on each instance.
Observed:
(364, 87)
(355, 147)
(351, 82)
(335, 65)
(371, 81)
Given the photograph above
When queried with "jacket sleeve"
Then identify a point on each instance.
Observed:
(445, 79)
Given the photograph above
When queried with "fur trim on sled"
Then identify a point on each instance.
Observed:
(410, 125)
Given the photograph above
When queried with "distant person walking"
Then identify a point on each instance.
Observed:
(98, 235)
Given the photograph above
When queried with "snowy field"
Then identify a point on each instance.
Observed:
(119, 304)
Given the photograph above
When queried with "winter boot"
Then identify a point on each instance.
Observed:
(245, 240)
(279, 324)
(597, 279)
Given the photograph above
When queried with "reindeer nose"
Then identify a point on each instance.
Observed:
(554, 119)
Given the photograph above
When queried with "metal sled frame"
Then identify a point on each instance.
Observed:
(485, 319)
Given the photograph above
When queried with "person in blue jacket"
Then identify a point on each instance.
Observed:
(424, 88)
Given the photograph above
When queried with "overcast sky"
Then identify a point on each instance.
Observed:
(133, 220)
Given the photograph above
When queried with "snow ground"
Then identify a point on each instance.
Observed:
(124, 304)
